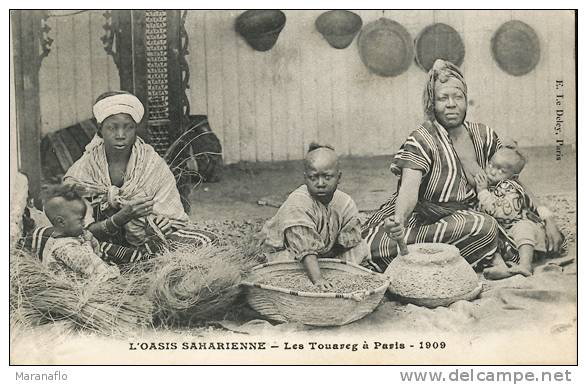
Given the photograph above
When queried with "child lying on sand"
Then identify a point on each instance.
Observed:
(71, 246)
(317, 220)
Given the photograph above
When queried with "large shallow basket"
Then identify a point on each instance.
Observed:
(515, 46)
(317, 309)
(386, 47)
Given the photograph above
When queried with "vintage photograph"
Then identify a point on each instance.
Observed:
(264, 186)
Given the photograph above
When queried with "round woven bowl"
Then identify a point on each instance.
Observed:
(339, 27)
(439, 41)
(316, 309)
(516, 48)
(431, 275)
(386, 47)
(260, 27)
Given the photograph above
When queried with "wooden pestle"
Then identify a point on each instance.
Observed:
(403, 249)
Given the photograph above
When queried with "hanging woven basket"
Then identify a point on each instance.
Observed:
(339, 27)
(386, 47)
(439, 41)
(260, 27)
(516, 48)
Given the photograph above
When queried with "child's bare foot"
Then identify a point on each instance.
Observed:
(498, 272)
(498, 269)
(526, 271)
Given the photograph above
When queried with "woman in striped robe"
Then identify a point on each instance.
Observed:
(437, 163)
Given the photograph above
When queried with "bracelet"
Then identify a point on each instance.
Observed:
(110, 227)
(114, 223)
(105, 229)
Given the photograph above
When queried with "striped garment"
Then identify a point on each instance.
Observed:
(37, 240)
(147, 175)
(445, 210)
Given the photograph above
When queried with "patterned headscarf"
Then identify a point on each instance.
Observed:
(442, 71)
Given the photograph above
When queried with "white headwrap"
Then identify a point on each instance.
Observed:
(119, 104)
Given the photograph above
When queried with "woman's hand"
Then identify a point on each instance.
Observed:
(481, 181)
(394, 228)
(134, 209)
(164, 224)
(554, 238)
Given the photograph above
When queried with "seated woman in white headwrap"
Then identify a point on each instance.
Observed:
(136, 204)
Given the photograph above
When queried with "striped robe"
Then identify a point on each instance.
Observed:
(37, 240)
(445, 209)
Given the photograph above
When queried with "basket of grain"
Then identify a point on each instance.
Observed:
(281, 291)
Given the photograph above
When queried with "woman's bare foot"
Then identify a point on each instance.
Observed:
(498, 269)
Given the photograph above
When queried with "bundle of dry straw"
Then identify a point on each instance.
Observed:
(39, 295)
(190, 284)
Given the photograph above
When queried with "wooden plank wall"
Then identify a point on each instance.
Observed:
(14, 148)
(271, 105)
(268, 106)
(25, 30)
(76, 71)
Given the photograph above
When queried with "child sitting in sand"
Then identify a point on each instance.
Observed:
(71, 246)
(503, 197)
(317, 220)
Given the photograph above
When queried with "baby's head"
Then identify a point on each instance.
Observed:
(321, 172)
(65, 209)
(506, 163)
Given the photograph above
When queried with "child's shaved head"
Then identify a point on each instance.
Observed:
(60, 198)
(513, 157)
(321, 157)
(321, 172)
(506, 163)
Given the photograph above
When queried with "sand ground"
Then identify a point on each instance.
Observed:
(519, 320)
(367, 180)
